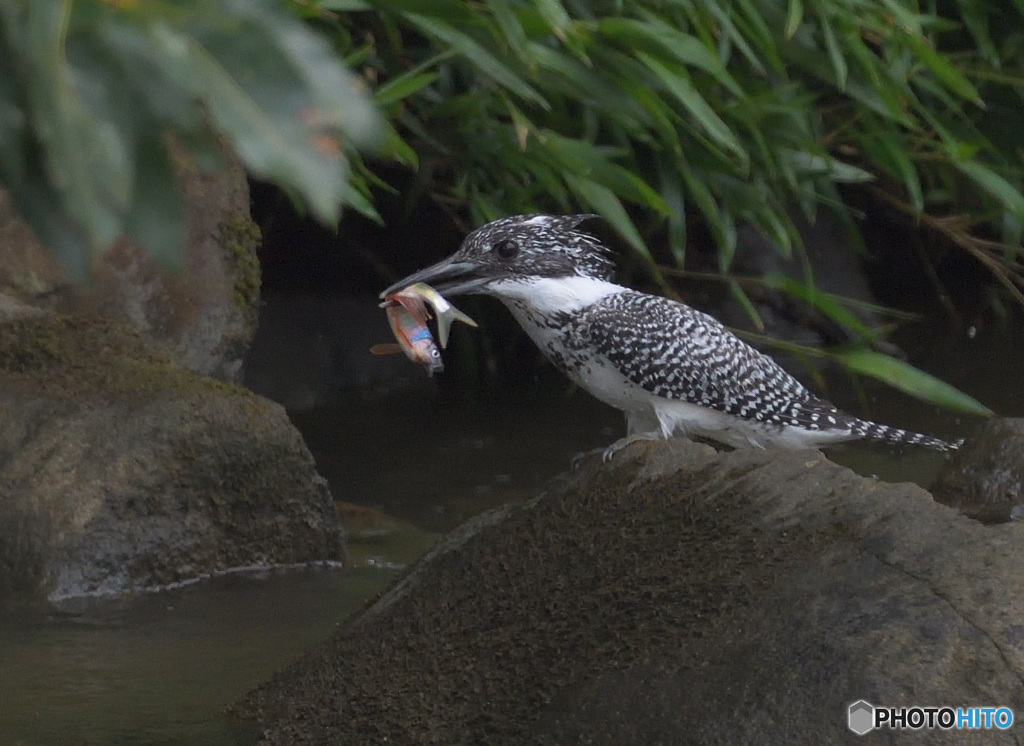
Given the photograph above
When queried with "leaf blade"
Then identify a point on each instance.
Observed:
(911, 380)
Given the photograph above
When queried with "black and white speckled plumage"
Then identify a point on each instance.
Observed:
(676, 352)
(667, 366)
(578, 253)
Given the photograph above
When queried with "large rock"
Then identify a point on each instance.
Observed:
(202, 313)
(676, 596)
(985, 477)
(119, 470)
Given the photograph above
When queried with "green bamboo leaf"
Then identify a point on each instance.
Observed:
(654, 33)
(874, 89)
(752, 22)
(794, 15)
(702, 197)
(727, 251)
(995, 185)
(155, 219)
(555, 16)
(684, 92)
(343, 6)
(484, 60)
(521, 124)
(913, 381)
(731, 35)
(358, 201)
(776, 229)
(270, 146)
(591, 161)
(737, 292)
(402, 87)
(976, 19)
(511, 29)
(395, 147)
(824, 303)
(944, 70)
(1012, 232)
(817, 163)
(835, 54)
(88, 156)
(334, 99)
(483, 209)
(672, 192)
(887, 151)
(604, 202)
(904, 18)
(593, 88)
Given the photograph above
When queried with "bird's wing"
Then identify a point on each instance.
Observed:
(676, 352)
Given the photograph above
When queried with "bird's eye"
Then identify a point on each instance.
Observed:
(506, 249)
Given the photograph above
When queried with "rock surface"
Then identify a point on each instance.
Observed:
(119, 470)
(203, 313)
(676, 596)
(985, 478)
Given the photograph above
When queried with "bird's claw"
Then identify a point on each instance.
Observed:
(608, 453)
(579, 459)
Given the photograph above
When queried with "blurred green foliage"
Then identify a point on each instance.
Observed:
(660, 115)
(91, 92)
(653, 112)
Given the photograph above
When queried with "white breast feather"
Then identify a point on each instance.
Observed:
(546, 295)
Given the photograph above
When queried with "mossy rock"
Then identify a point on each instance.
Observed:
(122, 471)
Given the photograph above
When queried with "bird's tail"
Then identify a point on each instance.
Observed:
(874, 431)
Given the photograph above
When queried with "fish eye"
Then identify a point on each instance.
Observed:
(506, 249)
(435, 352)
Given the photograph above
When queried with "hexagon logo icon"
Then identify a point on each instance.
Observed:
(861, 717)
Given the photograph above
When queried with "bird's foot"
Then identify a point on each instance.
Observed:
(580, 458)
(621, 443)
(609, 452)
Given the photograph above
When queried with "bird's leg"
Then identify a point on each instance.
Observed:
(643, 424)
(608, 453)
(640, 426)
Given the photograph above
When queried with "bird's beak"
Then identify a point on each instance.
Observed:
(447, 277)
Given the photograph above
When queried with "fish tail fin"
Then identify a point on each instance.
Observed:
(445, 321)
(458, 315)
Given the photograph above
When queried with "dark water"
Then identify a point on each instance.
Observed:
(160, 668)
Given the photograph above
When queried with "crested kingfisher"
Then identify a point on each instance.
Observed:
(667, 366)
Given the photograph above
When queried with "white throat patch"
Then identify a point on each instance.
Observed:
(552, 294)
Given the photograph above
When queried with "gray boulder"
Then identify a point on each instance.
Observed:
(202, 313)
(675, 596)
(985, 478)
(121, 471)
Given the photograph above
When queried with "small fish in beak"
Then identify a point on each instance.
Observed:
(415, 300)
(408, 312)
